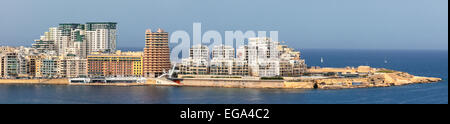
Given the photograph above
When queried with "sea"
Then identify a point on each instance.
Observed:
(431, 63)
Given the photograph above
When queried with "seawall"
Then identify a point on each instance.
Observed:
(376, 80)
(35, 81)
(242, 83)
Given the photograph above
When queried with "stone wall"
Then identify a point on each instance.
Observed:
(233, 83)
(34, 81)
(300, 85)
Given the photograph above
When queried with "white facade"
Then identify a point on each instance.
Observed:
(83, 39)
(263, 57)
(72, 67)
(223, 52)
(101, 40)
(199, 56)
(69, 40)
(199, 52)
(51, 35)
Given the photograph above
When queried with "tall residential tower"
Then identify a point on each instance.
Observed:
(101, 36)
(156, 53)
(69, 39)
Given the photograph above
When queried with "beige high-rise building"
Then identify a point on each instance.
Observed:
(156, 53)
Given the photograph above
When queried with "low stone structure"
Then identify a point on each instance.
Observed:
(375, 80)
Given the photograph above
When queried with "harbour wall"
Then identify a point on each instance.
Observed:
(236, 83)
(35, 81)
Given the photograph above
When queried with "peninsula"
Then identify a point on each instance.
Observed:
(378, 78)
(86, 54)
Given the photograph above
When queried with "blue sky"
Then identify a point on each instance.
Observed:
(336, 24)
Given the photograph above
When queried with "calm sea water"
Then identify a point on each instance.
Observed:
(417, 62)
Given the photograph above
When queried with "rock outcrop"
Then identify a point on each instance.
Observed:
(376, 80)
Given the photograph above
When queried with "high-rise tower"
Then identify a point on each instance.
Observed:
(101, 36)
(156, 53)
(79, 39)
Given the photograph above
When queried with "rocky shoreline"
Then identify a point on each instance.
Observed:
(375, 80)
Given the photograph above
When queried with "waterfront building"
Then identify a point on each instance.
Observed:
(72, 67)
(23, 62)
(101, 36)
(225, 63)
(267, 58)
(241, 68)
(70, 39)
(9, 65)
(190, 66)
(198, 61)
(221, 67)
(44, 46)
(49, 67)
(119, 64)
(223, 52)
(156, 58)
(23, 65)
(292, 68)
(14, 62)
(199, 53)
(34, 65)
(242, 53)
(291, 65)
(263, 57)
(229, 67)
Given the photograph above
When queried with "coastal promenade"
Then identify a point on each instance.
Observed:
(35, 81)
(376, 80)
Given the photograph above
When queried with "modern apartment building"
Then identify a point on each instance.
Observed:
(291, 65)
(22, 62)
(34, 65)
(262, 57)
(14, 61)
(156, 53)
(223, 52)
(44, 46)
(9, 65)
(199, 53)
(70, 39)
(198, 61)
(229, 67)
(225, 63)
(72, 67)
(126, 64)
(49, 67)
(101, 36)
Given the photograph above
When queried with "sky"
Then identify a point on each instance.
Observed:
(324, 24)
